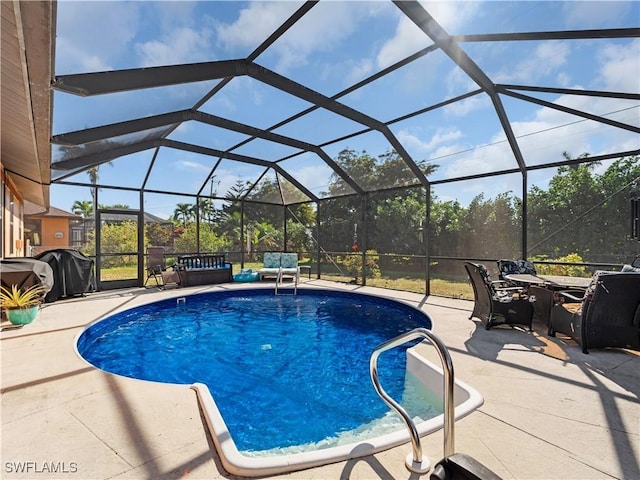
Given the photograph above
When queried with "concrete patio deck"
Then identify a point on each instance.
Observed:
(550, 411)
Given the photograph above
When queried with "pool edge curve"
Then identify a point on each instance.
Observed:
(236, 463)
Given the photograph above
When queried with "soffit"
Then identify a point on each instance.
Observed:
(28, 30)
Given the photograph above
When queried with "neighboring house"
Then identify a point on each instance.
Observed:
(49, 229)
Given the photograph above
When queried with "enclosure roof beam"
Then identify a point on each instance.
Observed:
(98, 83)
(239, 158)
(95, 134)
(418, 15)
(101, 133)
(552, 35)
(98, 158)
(572, 111)
(289, 86)
(362, 83)
(131, 79)
(570, 91)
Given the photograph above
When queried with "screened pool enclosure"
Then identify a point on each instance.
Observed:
(384, 142)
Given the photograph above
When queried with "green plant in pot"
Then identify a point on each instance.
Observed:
(21, 306)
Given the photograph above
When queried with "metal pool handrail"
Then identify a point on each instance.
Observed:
(280, 279)
(417, 462)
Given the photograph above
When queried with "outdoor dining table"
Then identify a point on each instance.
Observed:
(542, 288)
(550, 281)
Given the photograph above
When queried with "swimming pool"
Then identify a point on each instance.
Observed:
(289, 374)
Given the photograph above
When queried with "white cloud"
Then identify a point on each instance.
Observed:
(595, 14)
(563, 79)
(545, 137)
(466, 106)
(323, 27)
(314, 177)
(414, 142)
(620, 67)
(359, 71)
(408, 39)
(452, 16)
(93, 35)
(182, 45)
(496, 156)
(191, 165)
(547, 58)
(254, 24)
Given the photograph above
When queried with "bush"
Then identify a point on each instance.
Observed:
(353, 263)
(568, 270)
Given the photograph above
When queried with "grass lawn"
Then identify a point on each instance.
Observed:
(445, 288)
(119, 273)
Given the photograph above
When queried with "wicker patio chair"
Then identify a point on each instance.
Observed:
(507, 267)
(496, 305)
(607, 315)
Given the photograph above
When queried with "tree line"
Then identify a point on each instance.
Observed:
(584, 211)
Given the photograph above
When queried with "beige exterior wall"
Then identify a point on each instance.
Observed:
(55, 232)
(13, 244)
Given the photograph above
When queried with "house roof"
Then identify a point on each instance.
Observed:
(33, 210)
(121, 217)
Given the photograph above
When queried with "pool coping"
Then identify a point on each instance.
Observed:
(238, 464)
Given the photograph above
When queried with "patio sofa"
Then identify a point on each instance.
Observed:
(607, 315)
(204, 269)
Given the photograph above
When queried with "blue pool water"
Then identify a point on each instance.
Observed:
(284, 370)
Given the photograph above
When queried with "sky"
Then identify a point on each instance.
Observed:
(335, 45)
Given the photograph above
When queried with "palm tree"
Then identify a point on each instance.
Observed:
(183, 211)
(207, 210)
(84, 208)
(93, 177)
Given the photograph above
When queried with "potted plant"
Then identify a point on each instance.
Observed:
(21, 306)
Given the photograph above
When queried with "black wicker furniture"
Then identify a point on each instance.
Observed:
(495, 304)
(607, 315)
(204, 269)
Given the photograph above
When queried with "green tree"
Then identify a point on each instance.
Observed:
(94, 175)
(206, 209)
(491, 227)
(301, 227)
(572, 191)
(84, 208)
(210, 242)
(184, 212)
(446, 227)
(360, 167)
(402, 212)
(115, 206)
(158, 234)
(115, 238)
(264, 236)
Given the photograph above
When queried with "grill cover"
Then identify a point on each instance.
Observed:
(25, 272)
(73, 273)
